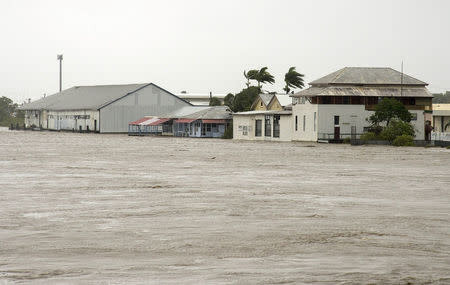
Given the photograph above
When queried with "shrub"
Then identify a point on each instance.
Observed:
(369, 136)
(403, 140)
(228, 134)
(395, 129)
(375, 129)
(346, 140)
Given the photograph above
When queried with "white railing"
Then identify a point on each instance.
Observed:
(438, 136)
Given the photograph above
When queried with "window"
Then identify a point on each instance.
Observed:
(208, 127)
(296, 123)
(260, 103)
(276, 126)
(336, 120)
(346, 100)
(304, 122)
(267, 127)
(244, 130)
(315, 115)
(258, 128)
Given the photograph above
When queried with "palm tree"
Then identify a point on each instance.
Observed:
(250, 75)
(293, 79)
(263, 76)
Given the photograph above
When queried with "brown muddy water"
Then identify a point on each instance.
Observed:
(113, 209)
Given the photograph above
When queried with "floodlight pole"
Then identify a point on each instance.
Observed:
(60, 58)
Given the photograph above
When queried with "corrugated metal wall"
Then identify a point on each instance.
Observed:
(150, 100)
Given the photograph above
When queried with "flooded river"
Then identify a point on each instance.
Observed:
(113, 209)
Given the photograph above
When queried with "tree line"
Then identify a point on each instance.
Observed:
(10, 113)
(243, 100)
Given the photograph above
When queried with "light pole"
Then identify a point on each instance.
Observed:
(60, 58)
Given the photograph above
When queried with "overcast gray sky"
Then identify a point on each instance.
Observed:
(203, 46)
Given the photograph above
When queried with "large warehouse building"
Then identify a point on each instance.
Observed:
(101, 108)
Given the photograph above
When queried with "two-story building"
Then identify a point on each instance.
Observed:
(338, 104)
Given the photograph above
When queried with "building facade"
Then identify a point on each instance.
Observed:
(263, 125)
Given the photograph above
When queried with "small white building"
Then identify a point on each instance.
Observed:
(272, 125)
(343, 100)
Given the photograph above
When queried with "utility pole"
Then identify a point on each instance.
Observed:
(60, 58)
(401, 83)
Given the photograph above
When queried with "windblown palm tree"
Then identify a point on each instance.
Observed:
(263, 76)
(250, 75)
(293, 79)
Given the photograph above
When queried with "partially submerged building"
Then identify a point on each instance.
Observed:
(189, 121)
(100, 108)
(339, 103)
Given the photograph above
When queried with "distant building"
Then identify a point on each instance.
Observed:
(342, 100)
(441, 117)
(101, 108)
(200, 98)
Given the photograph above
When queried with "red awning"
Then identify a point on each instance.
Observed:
(185, 120)
(159, 122)
(214, 121)
(139, 121)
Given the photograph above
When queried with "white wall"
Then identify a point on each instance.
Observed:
(63, 120)
(247, 123)
(349, 115)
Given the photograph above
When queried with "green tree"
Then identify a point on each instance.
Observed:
(228, 100)
(388, 109)
(9, 113)
(397, 128)
(244, 99)
(214, 101)
(263, 76)
(250, 75)
(293, 79)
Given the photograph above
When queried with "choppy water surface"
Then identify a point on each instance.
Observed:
(113, 209)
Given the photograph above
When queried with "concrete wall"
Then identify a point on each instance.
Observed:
(244, 127)
(63, 120)
(151, 100)
(437, 123)
(349, 115)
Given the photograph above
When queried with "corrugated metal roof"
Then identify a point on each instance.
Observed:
(214, 121)
(212, 112)
(185, 120)
(365, 91)
(266, 98)
(86, 97)
(159, 122)
(368, 76)
(83, 97)
(199, 95)
(284, 99)
(184, 111)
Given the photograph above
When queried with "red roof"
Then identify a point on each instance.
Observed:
(214, 121)
(185, 120)
(159, 122)
(139, 121)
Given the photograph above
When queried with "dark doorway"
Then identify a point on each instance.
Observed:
(95, 125)
(337, 133)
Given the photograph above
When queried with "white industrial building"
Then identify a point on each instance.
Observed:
(346, 98)
(200, 99)
(100, 108)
